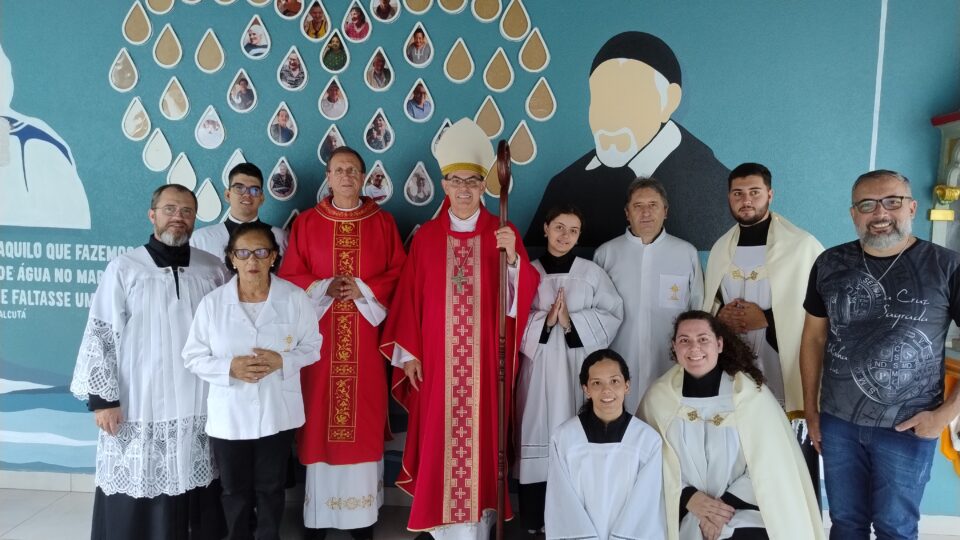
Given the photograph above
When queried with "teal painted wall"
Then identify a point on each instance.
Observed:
(791, 85)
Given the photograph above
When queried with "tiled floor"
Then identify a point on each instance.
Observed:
(45, 515)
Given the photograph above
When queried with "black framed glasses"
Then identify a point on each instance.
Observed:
(241, 189)
(244, 254)
(869, 206)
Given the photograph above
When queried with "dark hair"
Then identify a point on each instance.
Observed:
(747, 169)
(736, 355)
(176, 187)
(248, 169)
(647, 183)
(561, 209)
(347, 150)
(879, 174)
(247, 228)
(363, 17)
(419, 31)
(593, 358)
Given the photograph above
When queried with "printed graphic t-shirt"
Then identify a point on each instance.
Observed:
(884, 356)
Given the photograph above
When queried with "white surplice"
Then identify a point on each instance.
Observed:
(747, 279)
(605, 491)
(131, 353)
(657, 282)
(213, 239)
(548, 385)
(711, 458)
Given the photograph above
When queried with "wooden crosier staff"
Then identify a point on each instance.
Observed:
(503, 174)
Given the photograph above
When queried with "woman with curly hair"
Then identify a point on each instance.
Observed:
(731, 464)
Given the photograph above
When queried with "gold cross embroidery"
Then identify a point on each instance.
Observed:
(738, 274)
(674, 289)
(458, 280)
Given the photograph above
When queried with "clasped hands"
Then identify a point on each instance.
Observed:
(742, 316)
(252, 368)
(712, 513)
(558, 313)
(344, 288)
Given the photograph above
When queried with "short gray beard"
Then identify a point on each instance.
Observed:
(172, 239)
(898, 232)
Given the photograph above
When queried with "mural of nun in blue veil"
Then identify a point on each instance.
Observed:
(38, 175)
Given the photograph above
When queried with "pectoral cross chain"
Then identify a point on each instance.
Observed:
(458, 279)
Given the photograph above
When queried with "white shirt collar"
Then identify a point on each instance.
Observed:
(639, 241)
(235, 220)
(653, 154)
(359, 204)
(464, 225)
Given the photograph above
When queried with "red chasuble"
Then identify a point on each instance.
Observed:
(345, 393)
(445, 314)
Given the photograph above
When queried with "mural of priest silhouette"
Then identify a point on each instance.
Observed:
(635, 86)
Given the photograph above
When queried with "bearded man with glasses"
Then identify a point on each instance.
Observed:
(872, 361)
(244, 198)
(347, 254)
(154, 464)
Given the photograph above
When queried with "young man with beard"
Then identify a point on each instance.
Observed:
(154, 465)
(872, 361)
(754, 285)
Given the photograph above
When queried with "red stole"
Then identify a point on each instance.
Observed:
(445, 314)
(345, 392)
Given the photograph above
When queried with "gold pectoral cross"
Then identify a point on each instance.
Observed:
(458, 280)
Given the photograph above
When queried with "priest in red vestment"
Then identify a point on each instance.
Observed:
(441, 335)
(347, 254)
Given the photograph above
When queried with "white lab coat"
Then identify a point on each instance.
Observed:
(222, 330)
(657, 282)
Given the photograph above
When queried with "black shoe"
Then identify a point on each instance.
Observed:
(314, 534)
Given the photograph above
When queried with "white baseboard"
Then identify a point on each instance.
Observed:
(46, 481)
(940, 525)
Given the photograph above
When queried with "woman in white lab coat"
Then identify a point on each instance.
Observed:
(249, 340)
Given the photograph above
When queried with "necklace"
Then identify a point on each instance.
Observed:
(863, 255)
(458, 278)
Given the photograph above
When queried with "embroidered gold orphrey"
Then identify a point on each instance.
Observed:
(461, 460)
(342, 423)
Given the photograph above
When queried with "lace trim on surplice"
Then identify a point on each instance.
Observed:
(96, 370)
(146, 459)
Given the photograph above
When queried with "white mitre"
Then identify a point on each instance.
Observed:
(464, 147)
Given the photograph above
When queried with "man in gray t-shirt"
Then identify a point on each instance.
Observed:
(872, 351)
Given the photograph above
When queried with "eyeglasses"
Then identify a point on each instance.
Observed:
(244, 254)
(348, 171)
(869, 206)
(241, 189)
(171, 210)
(473, 182)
